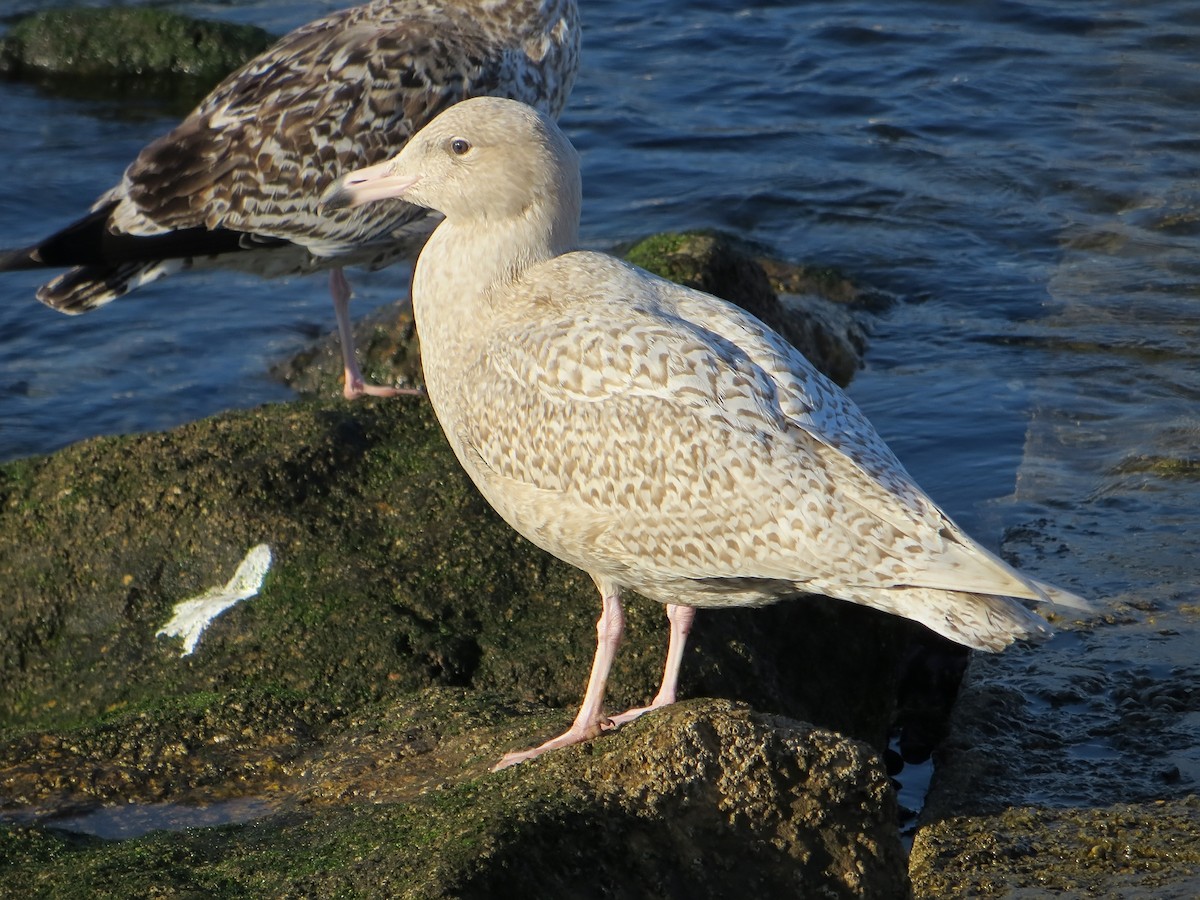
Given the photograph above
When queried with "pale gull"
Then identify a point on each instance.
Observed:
(656, 437)
(236, 183)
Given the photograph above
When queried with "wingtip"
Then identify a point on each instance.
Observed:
(335, 197)
(1058, 597)
(21, 258)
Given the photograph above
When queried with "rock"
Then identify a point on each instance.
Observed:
(86, 52)
(817, 313)
(390, 574)
(1148, 849)
(706, 799)
(388, 353)
(403, 639)
(815, 319)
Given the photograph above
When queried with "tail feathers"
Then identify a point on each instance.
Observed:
(981, 621)
(104, 264)
(87, 287)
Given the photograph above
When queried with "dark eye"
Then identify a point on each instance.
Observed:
(459, 146)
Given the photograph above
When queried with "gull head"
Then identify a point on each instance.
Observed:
(485, 160)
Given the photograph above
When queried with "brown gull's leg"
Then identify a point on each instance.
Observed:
(354, 386)
(591, 720)
(681, 618)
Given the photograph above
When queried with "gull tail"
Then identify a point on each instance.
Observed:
(980, 621)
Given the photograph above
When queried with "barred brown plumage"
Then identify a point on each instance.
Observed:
(236, 183)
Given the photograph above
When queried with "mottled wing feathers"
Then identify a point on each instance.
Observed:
(246, 170)
(594, 350)
(333, 96)
(796, 470)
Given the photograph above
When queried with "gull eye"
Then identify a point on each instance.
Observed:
(459, 146)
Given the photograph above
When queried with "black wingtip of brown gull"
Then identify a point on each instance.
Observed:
(16, 260)
(105, 264)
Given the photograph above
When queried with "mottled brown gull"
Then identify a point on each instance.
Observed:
(236, 183)
(656, 437)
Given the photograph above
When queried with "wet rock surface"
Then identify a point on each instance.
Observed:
(708, 799)
(1124, 850)
(126, 42)
(95, 52)
(1070, 768)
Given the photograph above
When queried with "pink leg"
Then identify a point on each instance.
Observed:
(681, 618)
(354, 386)
(590, 721)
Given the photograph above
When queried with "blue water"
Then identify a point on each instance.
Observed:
(1024, 175)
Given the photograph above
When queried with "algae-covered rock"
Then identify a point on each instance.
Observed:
(818, 316)
(390, 574)
(93, 52)
(1146, 850)
(702, 800)
(711, 262)
(403, 639)
(129, 41)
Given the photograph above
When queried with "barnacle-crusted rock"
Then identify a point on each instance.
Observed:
(706, 799)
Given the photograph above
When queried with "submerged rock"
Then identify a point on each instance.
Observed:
(813, 308)
(88, 52)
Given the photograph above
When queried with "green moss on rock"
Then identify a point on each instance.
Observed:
(703, 800)
(390, 574)
(131, 41)
(93, 53)
(1127, 850)
(815, 320)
